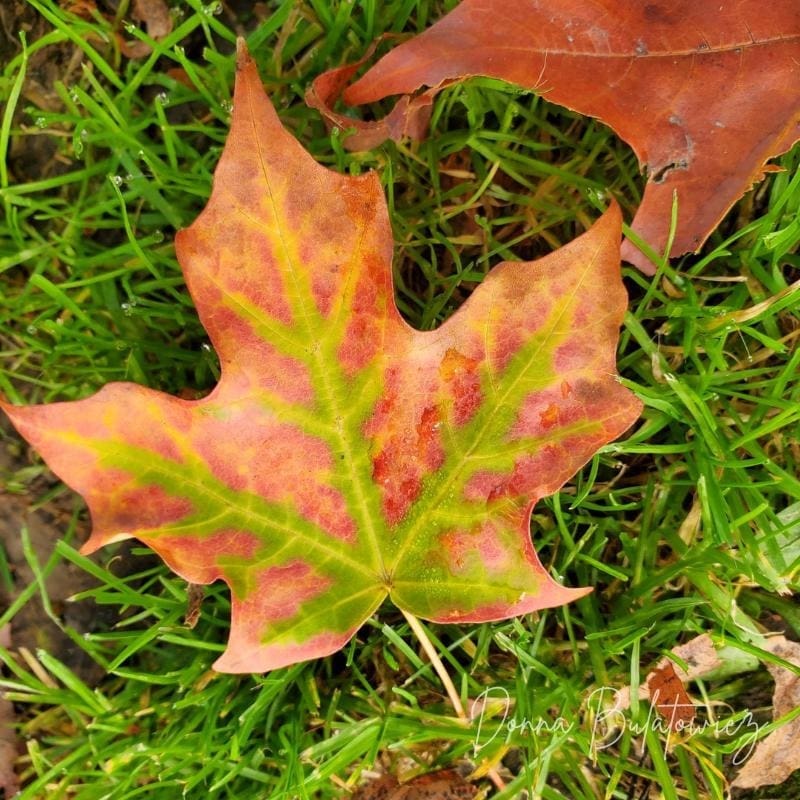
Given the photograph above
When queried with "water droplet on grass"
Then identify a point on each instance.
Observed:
(32, 330)
(116, 179)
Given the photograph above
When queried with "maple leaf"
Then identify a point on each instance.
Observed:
(344, 456)
(705, 93)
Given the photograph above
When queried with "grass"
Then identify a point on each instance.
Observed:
(687, 526)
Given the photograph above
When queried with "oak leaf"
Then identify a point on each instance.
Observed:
(704, 92)
(344, 456)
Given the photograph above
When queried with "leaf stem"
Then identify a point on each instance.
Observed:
(430, 651)
(444, 677)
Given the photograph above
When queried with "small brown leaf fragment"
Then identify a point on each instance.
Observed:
(158, 21)
(777, 756)
(86, 9)
(155, 15)
(700, 657)
(194, 600)
(180, 75)
(379, 789)
(669, 696)
(445, 784)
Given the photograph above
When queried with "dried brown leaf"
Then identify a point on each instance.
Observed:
(777, 756)
(158, 22)
(670, 698)
(445, 784)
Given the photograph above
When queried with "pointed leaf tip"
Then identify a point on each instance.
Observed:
(243, 57)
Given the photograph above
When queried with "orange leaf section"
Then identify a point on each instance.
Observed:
(669, 696)
(704, 92)
(345, 457)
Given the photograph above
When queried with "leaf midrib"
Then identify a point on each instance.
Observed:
(334, 404)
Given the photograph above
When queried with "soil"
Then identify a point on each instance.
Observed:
(35, 157)
(32, 627)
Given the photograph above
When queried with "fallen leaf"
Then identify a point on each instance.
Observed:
(705, 93)
(86, 9)
(180, 75)
(379, 789)
(700, 656)
(777, 756)
(446, 784)
(158, 21)
(669, 696)
(344, 456)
